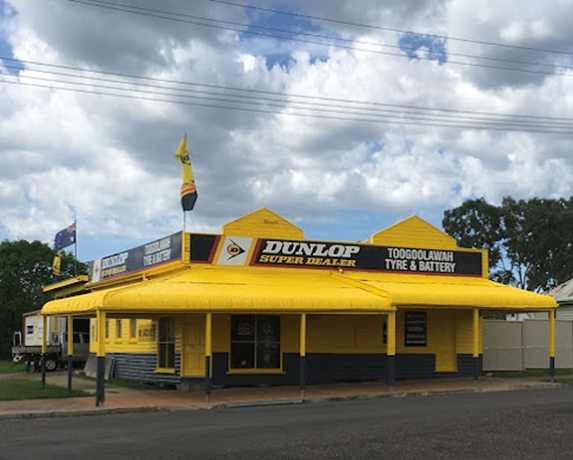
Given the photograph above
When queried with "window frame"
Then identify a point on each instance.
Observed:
(133, 330)
(255, 342)
(168, 343)
(118, 330)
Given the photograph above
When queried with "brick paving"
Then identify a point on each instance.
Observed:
(127, 399)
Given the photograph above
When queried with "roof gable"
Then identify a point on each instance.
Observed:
(413, 232)
(263, 223)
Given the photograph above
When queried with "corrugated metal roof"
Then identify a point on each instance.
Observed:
(452, 291)
(228, 289)
(563, 293)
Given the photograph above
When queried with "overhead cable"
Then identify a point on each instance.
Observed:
(213, 23)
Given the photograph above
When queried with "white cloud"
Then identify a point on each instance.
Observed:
(112, 159)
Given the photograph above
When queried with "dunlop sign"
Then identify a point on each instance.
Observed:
(366, 257)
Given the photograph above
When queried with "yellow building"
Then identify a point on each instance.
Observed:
(259, 304)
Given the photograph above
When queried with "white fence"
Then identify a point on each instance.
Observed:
(520, 345)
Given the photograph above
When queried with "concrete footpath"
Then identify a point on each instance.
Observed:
(121, 400)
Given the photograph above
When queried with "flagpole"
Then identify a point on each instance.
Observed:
(76, 248)
(184, 213)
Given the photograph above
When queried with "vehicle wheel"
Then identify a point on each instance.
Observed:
(51, 363)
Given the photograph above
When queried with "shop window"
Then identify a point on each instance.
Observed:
(118, 328)
(107, 328)
(166, 355)
(255, 342)
(133, 328)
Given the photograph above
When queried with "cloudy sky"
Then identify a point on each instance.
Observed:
(343, 126)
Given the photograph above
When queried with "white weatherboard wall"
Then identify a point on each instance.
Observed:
(520, 345)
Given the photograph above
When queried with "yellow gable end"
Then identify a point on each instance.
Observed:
(413, 232)
(263, 224)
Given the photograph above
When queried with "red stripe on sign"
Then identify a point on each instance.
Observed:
(255, 252)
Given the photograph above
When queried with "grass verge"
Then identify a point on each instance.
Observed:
(9, 367)
(18, 389)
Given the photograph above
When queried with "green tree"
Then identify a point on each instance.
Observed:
(529, 242)
(25, 268)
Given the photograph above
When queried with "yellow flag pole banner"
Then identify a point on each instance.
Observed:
(188, 189)
(57, 263)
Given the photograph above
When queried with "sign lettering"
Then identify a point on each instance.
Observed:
(155, 253)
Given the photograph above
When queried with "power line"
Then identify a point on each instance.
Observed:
(296, 112)
(285, 103)
(389, 29)
(314, 107)
(272, 93)
(142, 12)
(127, 7)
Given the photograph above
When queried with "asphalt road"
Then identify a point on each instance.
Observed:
(526, 424)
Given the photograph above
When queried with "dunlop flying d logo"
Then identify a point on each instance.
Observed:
(234, 250)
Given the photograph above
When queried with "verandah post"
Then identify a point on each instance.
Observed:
(70, 352)
(302, 357)
(391, 348)
(100, 360)
(552, 344)
(208, 353)
(475, 331)
(44, 348)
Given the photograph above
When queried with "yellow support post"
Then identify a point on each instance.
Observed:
(70, 336)
(475, 332)
(391, 348)
(44, 348)
(100, 375)
(552, 344)
(302, 357)
(208, 353)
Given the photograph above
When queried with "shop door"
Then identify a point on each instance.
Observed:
(444, 327)
(194, 346)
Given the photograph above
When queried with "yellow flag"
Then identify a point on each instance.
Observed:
(188, 189)
(57, 263)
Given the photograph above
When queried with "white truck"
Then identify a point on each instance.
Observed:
(27, 344)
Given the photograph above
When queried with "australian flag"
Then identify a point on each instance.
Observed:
(65, 237)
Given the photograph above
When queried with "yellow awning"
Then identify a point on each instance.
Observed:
(450, 291)
(228, 289)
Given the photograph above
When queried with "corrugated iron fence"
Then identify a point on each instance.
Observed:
(520, 345)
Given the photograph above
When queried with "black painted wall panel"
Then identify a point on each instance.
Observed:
(465, 364)
(322, 368)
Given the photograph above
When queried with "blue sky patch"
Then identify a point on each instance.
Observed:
(5, 48)
(373, 149)
(434, 47)
(354, 225)
(278, 51)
